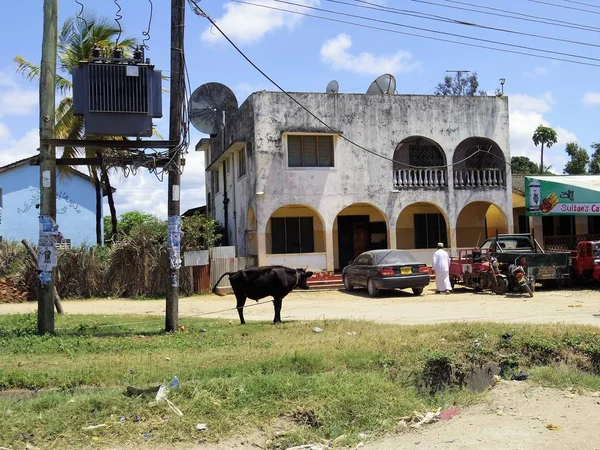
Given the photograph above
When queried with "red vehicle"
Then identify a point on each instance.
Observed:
(477, 268)
(585, 261)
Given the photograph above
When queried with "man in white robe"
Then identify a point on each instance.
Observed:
(441, 269)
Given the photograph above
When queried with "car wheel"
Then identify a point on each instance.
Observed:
(347, 285)
(373, 291)
(417, 291)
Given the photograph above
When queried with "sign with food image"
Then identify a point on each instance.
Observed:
(562, 195)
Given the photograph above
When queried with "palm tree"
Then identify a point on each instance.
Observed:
(545, 136)
(76, 40)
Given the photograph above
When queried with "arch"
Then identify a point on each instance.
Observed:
(479, 162)
(412, 157)
(293, 233)
(357, 228)
(422, 225)
(478, 221)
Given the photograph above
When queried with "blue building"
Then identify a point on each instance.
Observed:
(20, 198)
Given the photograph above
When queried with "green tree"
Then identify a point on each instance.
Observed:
(523, 165)
(76, 40)
(459, 85)
(579, 159)
(134, 223)
(595, 160)
(200, 232)
(545, 136)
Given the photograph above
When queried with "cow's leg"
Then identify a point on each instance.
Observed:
(277, 304)
(241, 301)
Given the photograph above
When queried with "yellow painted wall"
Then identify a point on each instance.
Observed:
(470, 226)
(518, 200)
(299, 211)
(405, 233)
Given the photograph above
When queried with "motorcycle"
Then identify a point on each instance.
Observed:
(518, 277)
(491, 278)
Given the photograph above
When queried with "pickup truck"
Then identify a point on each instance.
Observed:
(523, 249)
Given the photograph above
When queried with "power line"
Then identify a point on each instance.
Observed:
(331, 19)
(515, 15)
(565, 7)
(445, 33)
(582, 3)
(427, 16)
(197, 10)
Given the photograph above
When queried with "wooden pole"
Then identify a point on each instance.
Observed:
(45, 319)
(175, 113)
(33, 254)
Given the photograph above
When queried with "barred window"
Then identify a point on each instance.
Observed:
(310, 151)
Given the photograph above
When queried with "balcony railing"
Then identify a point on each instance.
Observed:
(477, 178)
(419, 178)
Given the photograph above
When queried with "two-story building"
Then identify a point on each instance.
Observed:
(292, 191)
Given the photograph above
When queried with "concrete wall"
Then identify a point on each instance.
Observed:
(75, 206)
(377, 122)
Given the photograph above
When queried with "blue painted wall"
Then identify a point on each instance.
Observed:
(75, 206)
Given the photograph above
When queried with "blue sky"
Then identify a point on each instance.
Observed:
(304, 54)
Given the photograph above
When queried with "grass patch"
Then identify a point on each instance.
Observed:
(318, 386)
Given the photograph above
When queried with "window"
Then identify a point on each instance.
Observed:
(64, 243)
(429, 230)
(227, 165)
(310, 151)
(242, 163)
(523, 224)
(593, 223)
(292, 235)
(215, 180)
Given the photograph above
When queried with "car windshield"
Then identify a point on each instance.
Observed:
(395, 257)
(509, 243)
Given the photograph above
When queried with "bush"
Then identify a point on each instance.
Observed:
(12, 258)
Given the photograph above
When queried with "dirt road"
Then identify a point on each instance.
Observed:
(578, 306)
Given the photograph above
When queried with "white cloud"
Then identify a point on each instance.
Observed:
(12, 149)
(335, 52)
(524, 102)
(526, 114)
(246, 23)
(591, 98)
(16, 100)
(537, 72)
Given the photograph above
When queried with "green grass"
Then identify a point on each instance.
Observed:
(239, 379)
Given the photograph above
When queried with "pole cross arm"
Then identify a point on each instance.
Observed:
(103, 143)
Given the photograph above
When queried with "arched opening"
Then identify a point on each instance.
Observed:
(478, 162)
(478, 221)
(419, 162)
(421, 226)
(251, 239)
(358, 228)
(295, 237)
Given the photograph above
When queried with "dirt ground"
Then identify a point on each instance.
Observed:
(577, 306)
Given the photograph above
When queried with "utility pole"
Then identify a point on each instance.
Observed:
(45, 294)
(458, 74)
(175, 112)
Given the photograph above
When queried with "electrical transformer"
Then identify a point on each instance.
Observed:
(117, 99)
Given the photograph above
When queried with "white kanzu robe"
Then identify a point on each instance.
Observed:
(441, 267)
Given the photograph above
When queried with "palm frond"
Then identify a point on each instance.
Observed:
(28, 69)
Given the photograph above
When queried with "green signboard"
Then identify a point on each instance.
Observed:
(571, 195)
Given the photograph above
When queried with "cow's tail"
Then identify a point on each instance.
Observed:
(214, 289)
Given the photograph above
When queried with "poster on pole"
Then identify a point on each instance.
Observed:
(174, 241)
(557, 195)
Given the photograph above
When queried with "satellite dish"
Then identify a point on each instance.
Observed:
(207, 104)
(333, 87)
(385, 84)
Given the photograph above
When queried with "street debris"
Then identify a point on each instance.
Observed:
(521, 376)
(306, 447)
(449, 413)
(94, 427)
(317, 330)
(201, 426)
(429, 417)
(552, 427)
(163, 392)
(12, 292)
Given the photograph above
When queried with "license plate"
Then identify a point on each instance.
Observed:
(406, 270)
(546, 272)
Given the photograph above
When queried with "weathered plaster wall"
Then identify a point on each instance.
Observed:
(376, 122)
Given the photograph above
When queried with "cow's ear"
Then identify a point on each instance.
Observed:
(309, 274)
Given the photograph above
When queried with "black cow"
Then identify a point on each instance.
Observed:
(261, 282)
